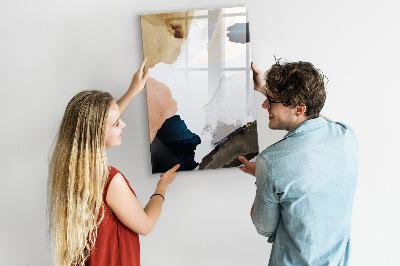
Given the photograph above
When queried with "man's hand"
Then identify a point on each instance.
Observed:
(259, 82)
(249, 167)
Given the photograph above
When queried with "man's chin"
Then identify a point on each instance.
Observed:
(271, 125)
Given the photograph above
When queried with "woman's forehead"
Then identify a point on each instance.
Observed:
(113, 113)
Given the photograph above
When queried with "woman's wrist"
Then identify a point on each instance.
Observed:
(133, 90)
(161, 189)
(157, 194)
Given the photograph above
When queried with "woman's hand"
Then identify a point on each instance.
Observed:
(259, 82)
(168, 177)
(137, 85)
(138, 79)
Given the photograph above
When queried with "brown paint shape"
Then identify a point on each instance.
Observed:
(163, 36)
(160, 105)
(177, 30)
(244, 143)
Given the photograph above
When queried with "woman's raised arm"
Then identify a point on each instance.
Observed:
(137, 85)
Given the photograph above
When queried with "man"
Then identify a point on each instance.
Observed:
(306, 181)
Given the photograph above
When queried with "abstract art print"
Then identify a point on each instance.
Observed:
(200, 96)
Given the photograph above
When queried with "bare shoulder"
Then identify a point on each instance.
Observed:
(118, 191)
(118, 179)
(117, 185)
(119, 195)
(123, 203)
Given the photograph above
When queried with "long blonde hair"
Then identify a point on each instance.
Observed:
(78, 171)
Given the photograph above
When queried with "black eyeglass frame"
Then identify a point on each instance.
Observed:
(264, 91)
(270, 101)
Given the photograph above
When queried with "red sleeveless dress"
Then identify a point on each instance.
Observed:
(116, 244)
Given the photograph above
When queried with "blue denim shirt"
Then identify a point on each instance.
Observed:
(305, 189)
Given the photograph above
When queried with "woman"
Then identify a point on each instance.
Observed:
(95, 217)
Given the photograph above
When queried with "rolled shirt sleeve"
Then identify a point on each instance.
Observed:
(266, 212)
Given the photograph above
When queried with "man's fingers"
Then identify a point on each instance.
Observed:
(243, 160)
(244, 169)
(255, 69)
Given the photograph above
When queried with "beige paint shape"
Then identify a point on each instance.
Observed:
(160, 105)
(163, 35)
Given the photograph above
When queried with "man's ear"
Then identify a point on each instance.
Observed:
(300, 110)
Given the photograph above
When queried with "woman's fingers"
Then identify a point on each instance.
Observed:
(145, 76)
(173, 169)
(169, 176)
(142, 64)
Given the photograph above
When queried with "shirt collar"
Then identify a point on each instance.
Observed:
(307, 125)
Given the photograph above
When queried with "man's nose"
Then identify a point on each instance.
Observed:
(265, 104)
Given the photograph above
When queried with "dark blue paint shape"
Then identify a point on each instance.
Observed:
(173, 144)
(239, 33)
(174, 129)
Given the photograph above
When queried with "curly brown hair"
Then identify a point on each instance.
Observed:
(298, 83)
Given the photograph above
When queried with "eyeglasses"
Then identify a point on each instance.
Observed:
(270, 101)
(264, 91)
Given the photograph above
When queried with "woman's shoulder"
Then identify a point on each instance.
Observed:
(113, 171)
(117, 177)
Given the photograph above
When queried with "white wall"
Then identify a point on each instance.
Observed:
(52, 49)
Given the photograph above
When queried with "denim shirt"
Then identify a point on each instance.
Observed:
(305, 189)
